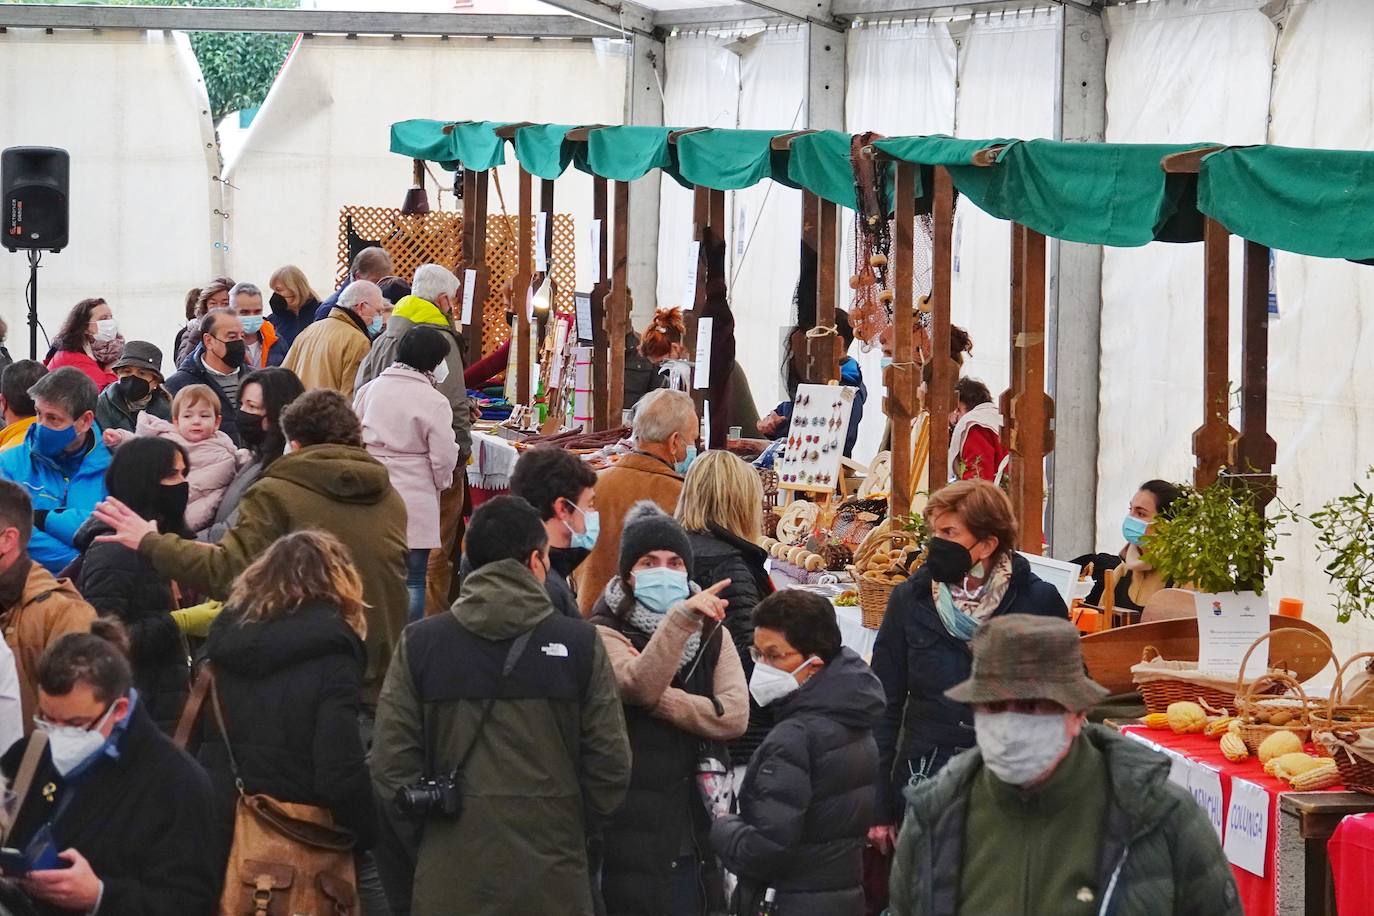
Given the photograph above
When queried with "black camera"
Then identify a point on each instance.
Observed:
(438, 796)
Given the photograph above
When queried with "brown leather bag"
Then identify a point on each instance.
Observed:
(287, 859)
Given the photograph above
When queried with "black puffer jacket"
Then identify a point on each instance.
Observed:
(917, 661)
(291, 693)
(118, 582)
(717, 554)
(807, 800)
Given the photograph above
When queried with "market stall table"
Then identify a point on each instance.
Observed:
(489, 467)
(1352, 863)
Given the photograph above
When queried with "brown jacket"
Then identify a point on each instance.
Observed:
(328, 353)
(632, 478)
(48, 609)
(645, 679)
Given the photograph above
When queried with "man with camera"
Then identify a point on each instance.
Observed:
(500, 739)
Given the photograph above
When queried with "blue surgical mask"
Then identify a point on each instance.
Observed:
(1133, 529)
(53, 443)
(376, 326)
(252, 324)
(591, 522)
(659, 588)
(885, 361)
(682, 466)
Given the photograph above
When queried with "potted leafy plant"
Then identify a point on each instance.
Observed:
(1215, 540)
(1345, 534)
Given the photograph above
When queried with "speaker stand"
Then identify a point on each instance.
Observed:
(34, 257)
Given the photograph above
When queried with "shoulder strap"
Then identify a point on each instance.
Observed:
(516, 650)
(191, 711)
(223, 731)
(28, 765)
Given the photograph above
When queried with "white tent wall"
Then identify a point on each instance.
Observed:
(131, 110)
(901, 82)
(1008, 71)
(1176, 72)
(701, 90)
(320, 141)
(1321, 410)
(765, 221)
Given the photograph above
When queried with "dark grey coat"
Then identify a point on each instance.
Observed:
(807, 800)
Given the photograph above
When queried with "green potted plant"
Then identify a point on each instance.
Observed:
(1345, 536)
(1215, 540)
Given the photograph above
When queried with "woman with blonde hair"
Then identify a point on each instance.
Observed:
(288, 659)
(972, 573)
(293, 303)
(721, 508)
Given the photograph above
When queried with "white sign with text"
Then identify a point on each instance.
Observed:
(469, 293)
(1247, 826)
(1228, 623)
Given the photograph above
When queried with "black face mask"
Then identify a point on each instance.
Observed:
(251, 433)
(171, 503)
(234, 353)
(948, 561)
(132, 388)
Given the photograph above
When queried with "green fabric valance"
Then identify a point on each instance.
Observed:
(631, 152)
(1313, 202)
(728, 160)
(936, 149)
(820, 163)
(543, 149)
(422, 139)
(1097, 193)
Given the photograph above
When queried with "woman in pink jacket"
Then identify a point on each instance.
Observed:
(90, 341)
(408, 426)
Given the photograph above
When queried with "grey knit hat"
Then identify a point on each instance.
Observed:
(648, 528)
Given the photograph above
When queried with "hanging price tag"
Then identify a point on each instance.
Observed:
(469, 293)
(689, 294)
(702, 375)
(596, 251)
(541, 243)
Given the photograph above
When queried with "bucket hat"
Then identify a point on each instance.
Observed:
(1028, 657)
(141, 355)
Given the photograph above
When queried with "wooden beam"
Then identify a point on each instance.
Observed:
(520, 291)
(1256, 450)
(620, 305)
(831, 350)
(902, 375)
(1211, 441)
(1026, 404)
(601, 337)
(944, 371)
(1189, 162)
(475, 187)
(811, 247)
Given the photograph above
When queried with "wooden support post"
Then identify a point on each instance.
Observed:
(520, 291)
(601, 418)
(811, 246)
(1025, 407)
(619, 305)
(1256, 450)
(1211, 441)
(943, 370)
(475, 185)
(832, 347)
(901, 394)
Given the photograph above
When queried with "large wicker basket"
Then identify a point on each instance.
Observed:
(1336, 730)
(1190, 685)
(873, 597)
(1272, 692)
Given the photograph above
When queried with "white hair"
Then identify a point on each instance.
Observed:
(242, 289)
(360, 292)
(661, 413)
(432, 281)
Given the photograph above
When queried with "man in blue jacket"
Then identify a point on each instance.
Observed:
(61, 463)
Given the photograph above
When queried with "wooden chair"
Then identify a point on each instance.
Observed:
(1169, 604)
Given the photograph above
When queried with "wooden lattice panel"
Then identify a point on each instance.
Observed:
(432, 238)
(502, 252)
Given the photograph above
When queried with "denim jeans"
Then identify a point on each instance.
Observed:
(417, 568)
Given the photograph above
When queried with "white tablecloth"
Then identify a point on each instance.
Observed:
(493, 460)
(853, 633)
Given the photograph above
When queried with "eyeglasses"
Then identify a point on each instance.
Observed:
(759, 656)
(45, 723)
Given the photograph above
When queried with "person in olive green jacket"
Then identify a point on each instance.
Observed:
(547, 767)
(1048, 815)
(328, 482)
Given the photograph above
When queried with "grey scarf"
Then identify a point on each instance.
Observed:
(648, 621)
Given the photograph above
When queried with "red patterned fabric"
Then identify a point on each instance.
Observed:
(1351, 849)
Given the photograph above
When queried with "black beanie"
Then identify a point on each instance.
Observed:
(648, 528)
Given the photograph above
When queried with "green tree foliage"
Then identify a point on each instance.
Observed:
(238, 67)
(1215, 540)
(1345, 535)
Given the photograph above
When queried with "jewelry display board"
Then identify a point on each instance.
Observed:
(815, 441)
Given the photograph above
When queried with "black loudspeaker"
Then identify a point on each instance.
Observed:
(33, 190)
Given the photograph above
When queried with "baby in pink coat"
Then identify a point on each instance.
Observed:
(214, 460)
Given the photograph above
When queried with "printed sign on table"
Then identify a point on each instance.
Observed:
(1228, 624)
(1247, 826)
(1205, 784)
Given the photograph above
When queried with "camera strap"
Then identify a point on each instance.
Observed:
(516, 650)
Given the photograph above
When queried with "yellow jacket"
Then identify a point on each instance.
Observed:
(14, 433)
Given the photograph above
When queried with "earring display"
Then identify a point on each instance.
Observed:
(820, 419)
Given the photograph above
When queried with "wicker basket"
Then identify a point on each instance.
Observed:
(1271, 692)
(1334, 736)
(873, 598)
(1158, 694)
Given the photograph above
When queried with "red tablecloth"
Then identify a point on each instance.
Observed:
(1351, 850)
(1256, 894)
(477, 496)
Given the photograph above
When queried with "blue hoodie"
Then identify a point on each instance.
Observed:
(69, 501)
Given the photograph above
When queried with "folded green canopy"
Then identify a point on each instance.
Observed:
(472, 144)
(1313, 202)
(728, 160)
(820, 163)
(629, 152)
(422, 139)
(1097, 193)
(544, 151)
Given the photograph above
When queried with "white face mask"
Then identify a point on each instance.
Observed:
(768, 684)
(440, 373)
(1020, 747)
(106, 330)
(71, 745)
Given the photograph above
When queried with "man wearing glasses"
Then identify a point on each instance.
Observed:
(219, 361)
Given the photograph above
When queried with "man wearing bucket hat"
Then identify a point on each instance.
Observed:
(1048, 814)
(139, 389)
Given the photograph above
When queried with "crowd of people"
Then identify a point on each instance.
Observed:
(248, 594)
